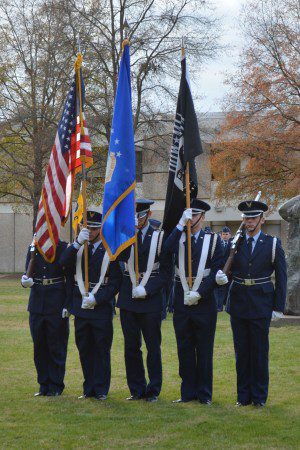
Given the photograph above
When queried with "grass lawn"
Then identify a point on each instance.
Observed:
(65, 422)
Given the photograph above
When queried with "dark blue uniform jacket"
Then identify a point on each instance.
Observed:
(207, 303)
(258, 301)
(105, 295)
(47, 299)
(154, 287)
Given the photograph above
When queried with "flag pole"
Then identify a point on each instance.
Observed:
(188, 204)
(78, 64)
(136, 250)
(71, 220)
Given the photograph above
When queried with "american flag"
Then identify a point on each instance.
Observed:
(56, 197)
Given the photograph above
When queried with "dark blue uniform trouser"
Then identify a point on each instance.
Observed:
(93, 338)
(251, 344)
(195, 335)
(220, 294)
(50, 334)
(134, 325)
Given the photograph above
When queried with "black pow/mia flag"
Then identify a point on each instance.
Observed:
(186, 146)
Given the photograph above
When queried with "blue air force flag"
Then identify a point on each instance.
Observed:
(118, 228)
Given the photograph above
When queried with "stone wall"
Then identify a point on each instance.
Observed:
(14, 239)
(15, 236)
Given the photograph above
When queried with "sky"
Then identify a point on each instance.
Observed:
(210, 84)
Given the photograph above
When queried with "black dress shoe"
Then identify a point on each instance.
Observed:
(53, 394)
(40, 394)
(179, 400)
(152, 399)
(240, 404)
(205, 402)
(133, 397)
(259, 404)
(101, 397)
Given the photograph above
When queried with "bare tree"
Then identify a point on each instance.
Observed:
(38, 43)
(32, 87)
(155, 31)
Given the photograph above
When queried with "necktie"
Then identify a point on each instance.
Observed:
(91, 250)
(249, 245)
(193, 242)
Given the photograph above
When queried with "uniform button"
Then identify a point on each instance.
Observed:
(44, 276)
(44, 267)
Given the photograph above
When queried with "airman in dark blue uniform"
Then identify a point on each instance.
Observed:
(48, 320)
(222, 291)
(251, 301)
(141, 310)
(195, 310)
(93, 311)
(155, 224)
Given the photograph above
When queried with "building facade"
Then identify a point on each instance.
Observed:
(152, 177)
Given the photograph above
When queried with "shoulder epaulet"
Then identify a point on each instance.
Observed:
(271, 236)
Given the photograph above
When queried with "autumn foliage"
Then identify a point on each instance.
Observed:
(258, 146)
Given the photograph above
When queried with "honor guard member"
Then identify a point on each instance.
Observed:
(141, 309)
(93, 311)
(195, 311)
(251, 300)
(222, 291)
(155, 224)
(48, 319)
(225, 237)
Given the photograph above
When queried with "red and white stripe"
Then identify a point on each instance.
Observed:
(56, 197)
(83, 144)
(52, 202)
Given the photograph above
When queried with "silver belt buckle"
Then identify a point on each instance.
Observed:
(249, 282)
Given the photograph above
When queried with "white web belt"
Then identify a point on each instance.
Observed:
(150, 264)
(79, 279)
(201, 266)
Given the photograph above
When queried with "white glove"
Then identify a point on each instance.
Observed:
(221, 278)
(83, 236)
(65, 314)
(139, 292)
(136, 220)
(187, 215)
(26, 282)
(277, 315)
(88, 301)
(191, 298)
